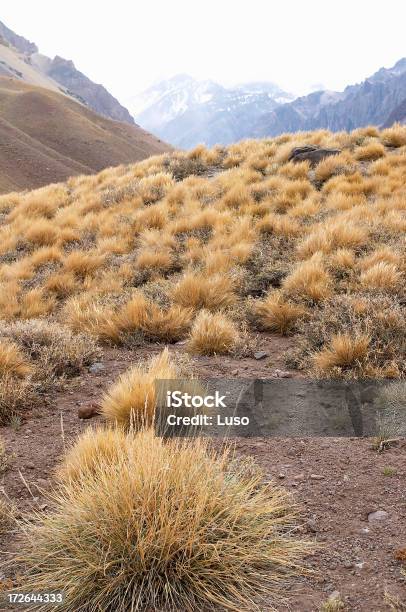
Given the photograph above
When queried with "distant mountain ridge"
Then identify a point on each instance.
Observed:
(186, 112)
(370, 102)
(58, 70)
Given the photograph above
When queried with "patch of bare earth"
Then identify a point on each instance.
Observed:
(336, 483)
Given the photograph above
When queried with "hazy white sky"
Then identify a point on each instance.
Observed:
(296, 43)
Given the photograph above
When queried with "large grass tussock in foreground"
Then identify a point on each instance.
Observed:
(139, 523)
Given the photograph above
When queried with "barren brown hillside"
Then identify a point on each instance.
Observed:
(46, 137)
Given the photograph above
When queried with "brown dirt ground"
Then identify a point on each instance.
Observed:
(356, 557)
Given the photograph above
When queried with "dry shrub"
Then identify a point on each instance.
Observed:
(309, 280)
(276, 314)
(132, 399)
(170, 525)
(53, 348)
(212, 333)
(213, 292)
(379, 318)
(16, 396)
(12, 360)
(344, 351)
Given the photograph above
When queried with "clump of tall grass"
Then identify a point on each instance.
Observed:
(171, 525)
(212, 333)
(274, 313)
(132, 400)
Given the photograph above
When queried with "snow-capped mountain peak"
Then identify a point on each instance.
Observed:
(187, 111)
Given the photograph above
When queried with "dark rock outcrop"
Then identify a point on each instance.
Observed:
(311, 153)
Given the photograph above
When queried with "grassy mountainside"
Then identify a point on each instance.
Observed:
(47, 137)
(213, 245)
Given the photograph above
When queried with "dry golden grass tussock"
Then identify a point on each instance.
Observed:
(276, 314)
(62, 285)
(132, 399)
(370, 152)
(381, 255)
(333, 165)
(237, 197)
(198, 291)
(295, 170)
(154, 259)
(211, 334)
(127, 524)
(383, 277)
(153, 188)
(41, 233)
(13, 362)
(93, 449)
(44, 256)
(342, 260)
(83, 264)
(394, 136)
(332, 235)
(309, 280)
(154, 323)
(281, 225)
(35, 303)
(345, 351)
(87, 315)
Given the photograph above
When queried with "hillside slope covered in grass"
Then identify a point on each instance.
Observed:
(212, 246)
(47, 137)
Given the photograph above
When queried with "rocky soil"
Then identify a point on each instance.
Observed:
(351, 499)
